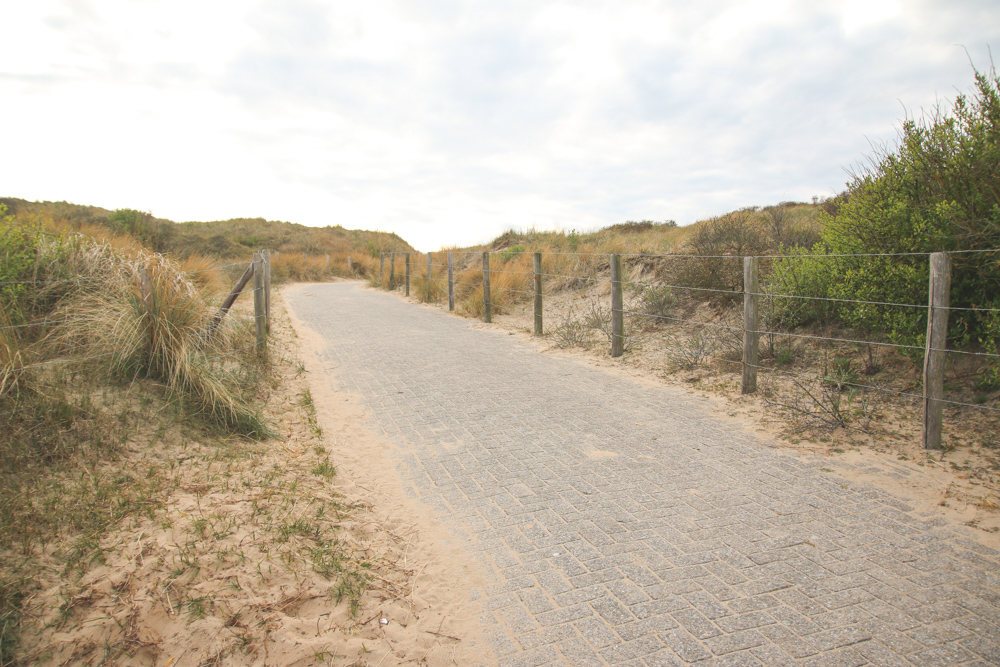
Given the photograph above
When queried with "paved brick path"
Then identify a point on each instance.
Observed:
(627, 526)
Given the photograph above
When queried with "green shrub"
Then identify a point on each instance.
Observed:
(937, 191)
(657, 302)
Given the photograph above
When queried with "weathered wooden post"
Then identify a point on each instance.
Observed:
(392, 271)
(407, 292)
(451, 282)
(348, 262)
(751, 337)
(328, 260)
(266, 255)
(538, 293)
(617, 308)
(146, 292)
(429, 284)
(487, 313)
(258, 303)
(303, 258)
(939, 298)
(381, 265)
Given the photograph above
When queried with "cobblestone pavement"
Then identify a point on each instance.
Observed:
(627, 526)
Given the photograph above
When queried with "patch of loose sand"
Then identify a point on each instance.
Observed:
(445, 576)
(254, 555)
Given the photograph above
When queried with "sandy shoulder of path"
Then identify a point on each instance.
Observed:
(440, 605)
(254, 549)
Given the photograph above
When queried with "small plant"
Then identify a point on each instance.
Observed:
(871, 358)
(784, 356)
(196, 608)
(656, 302)
(842, 376)
(510, 253)
(687, 353)
(325, 469)
(829, 402)
(599, 318)
(572, 332)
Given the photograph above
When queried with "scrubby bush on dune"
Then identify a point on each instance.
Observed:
(938, 190)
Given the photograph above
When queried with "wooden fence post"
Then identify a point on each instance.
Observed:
(617, 308)
(407, 293)
(266, 254)
(328, 260)
(451, 282)
(538, 293)
(348, 262)
(234, 294)
(487, 312)
(939, 298)
(392, 271)
(751, 337)
(146, 292)
(258, 303)
(381, 265)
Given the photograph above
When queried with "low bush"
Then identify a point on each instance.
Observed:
(935, 192)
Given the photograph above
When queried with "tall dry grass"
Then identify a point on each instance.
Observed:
(85, 356)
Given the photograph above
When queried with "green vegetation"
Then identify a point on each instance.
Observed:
(82, 359)
(937, 191)
(298, 253)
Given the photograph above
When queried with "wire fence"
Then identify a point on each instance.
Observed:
(47, 323)
(482, 289)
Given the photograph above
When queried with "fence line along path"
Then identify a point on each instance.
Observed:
(626, 525)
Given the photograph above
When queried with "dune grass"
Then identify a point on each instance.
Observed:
(82, 358)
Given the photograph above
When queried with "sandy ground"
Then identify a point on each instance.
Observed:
(259, 549)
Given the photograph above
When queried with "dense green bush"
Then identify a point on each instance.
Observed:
(939, 190)
(151, 232)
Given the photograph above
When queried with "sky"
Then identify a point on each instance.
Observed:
(450, 121)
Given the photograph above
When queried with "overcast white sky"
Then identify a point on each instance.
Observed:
(448, 121)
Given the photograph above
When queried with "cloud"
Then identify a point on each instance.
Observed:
(448, 121)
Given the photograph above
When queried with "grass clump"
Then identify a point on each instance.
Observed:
(83, 360)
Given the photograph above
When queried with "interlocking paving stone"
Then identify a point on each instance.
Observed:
(624, 524)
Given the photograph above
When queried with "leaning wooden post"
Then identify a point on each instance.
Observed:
(258, 303)
(487, 312)
(266, 256)
(381, 265)
(407, 292)
(538, 293)
(230, 299)
(617, 308)
(451, 282)
(939, 299)
(751, 337)
(392, 271)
